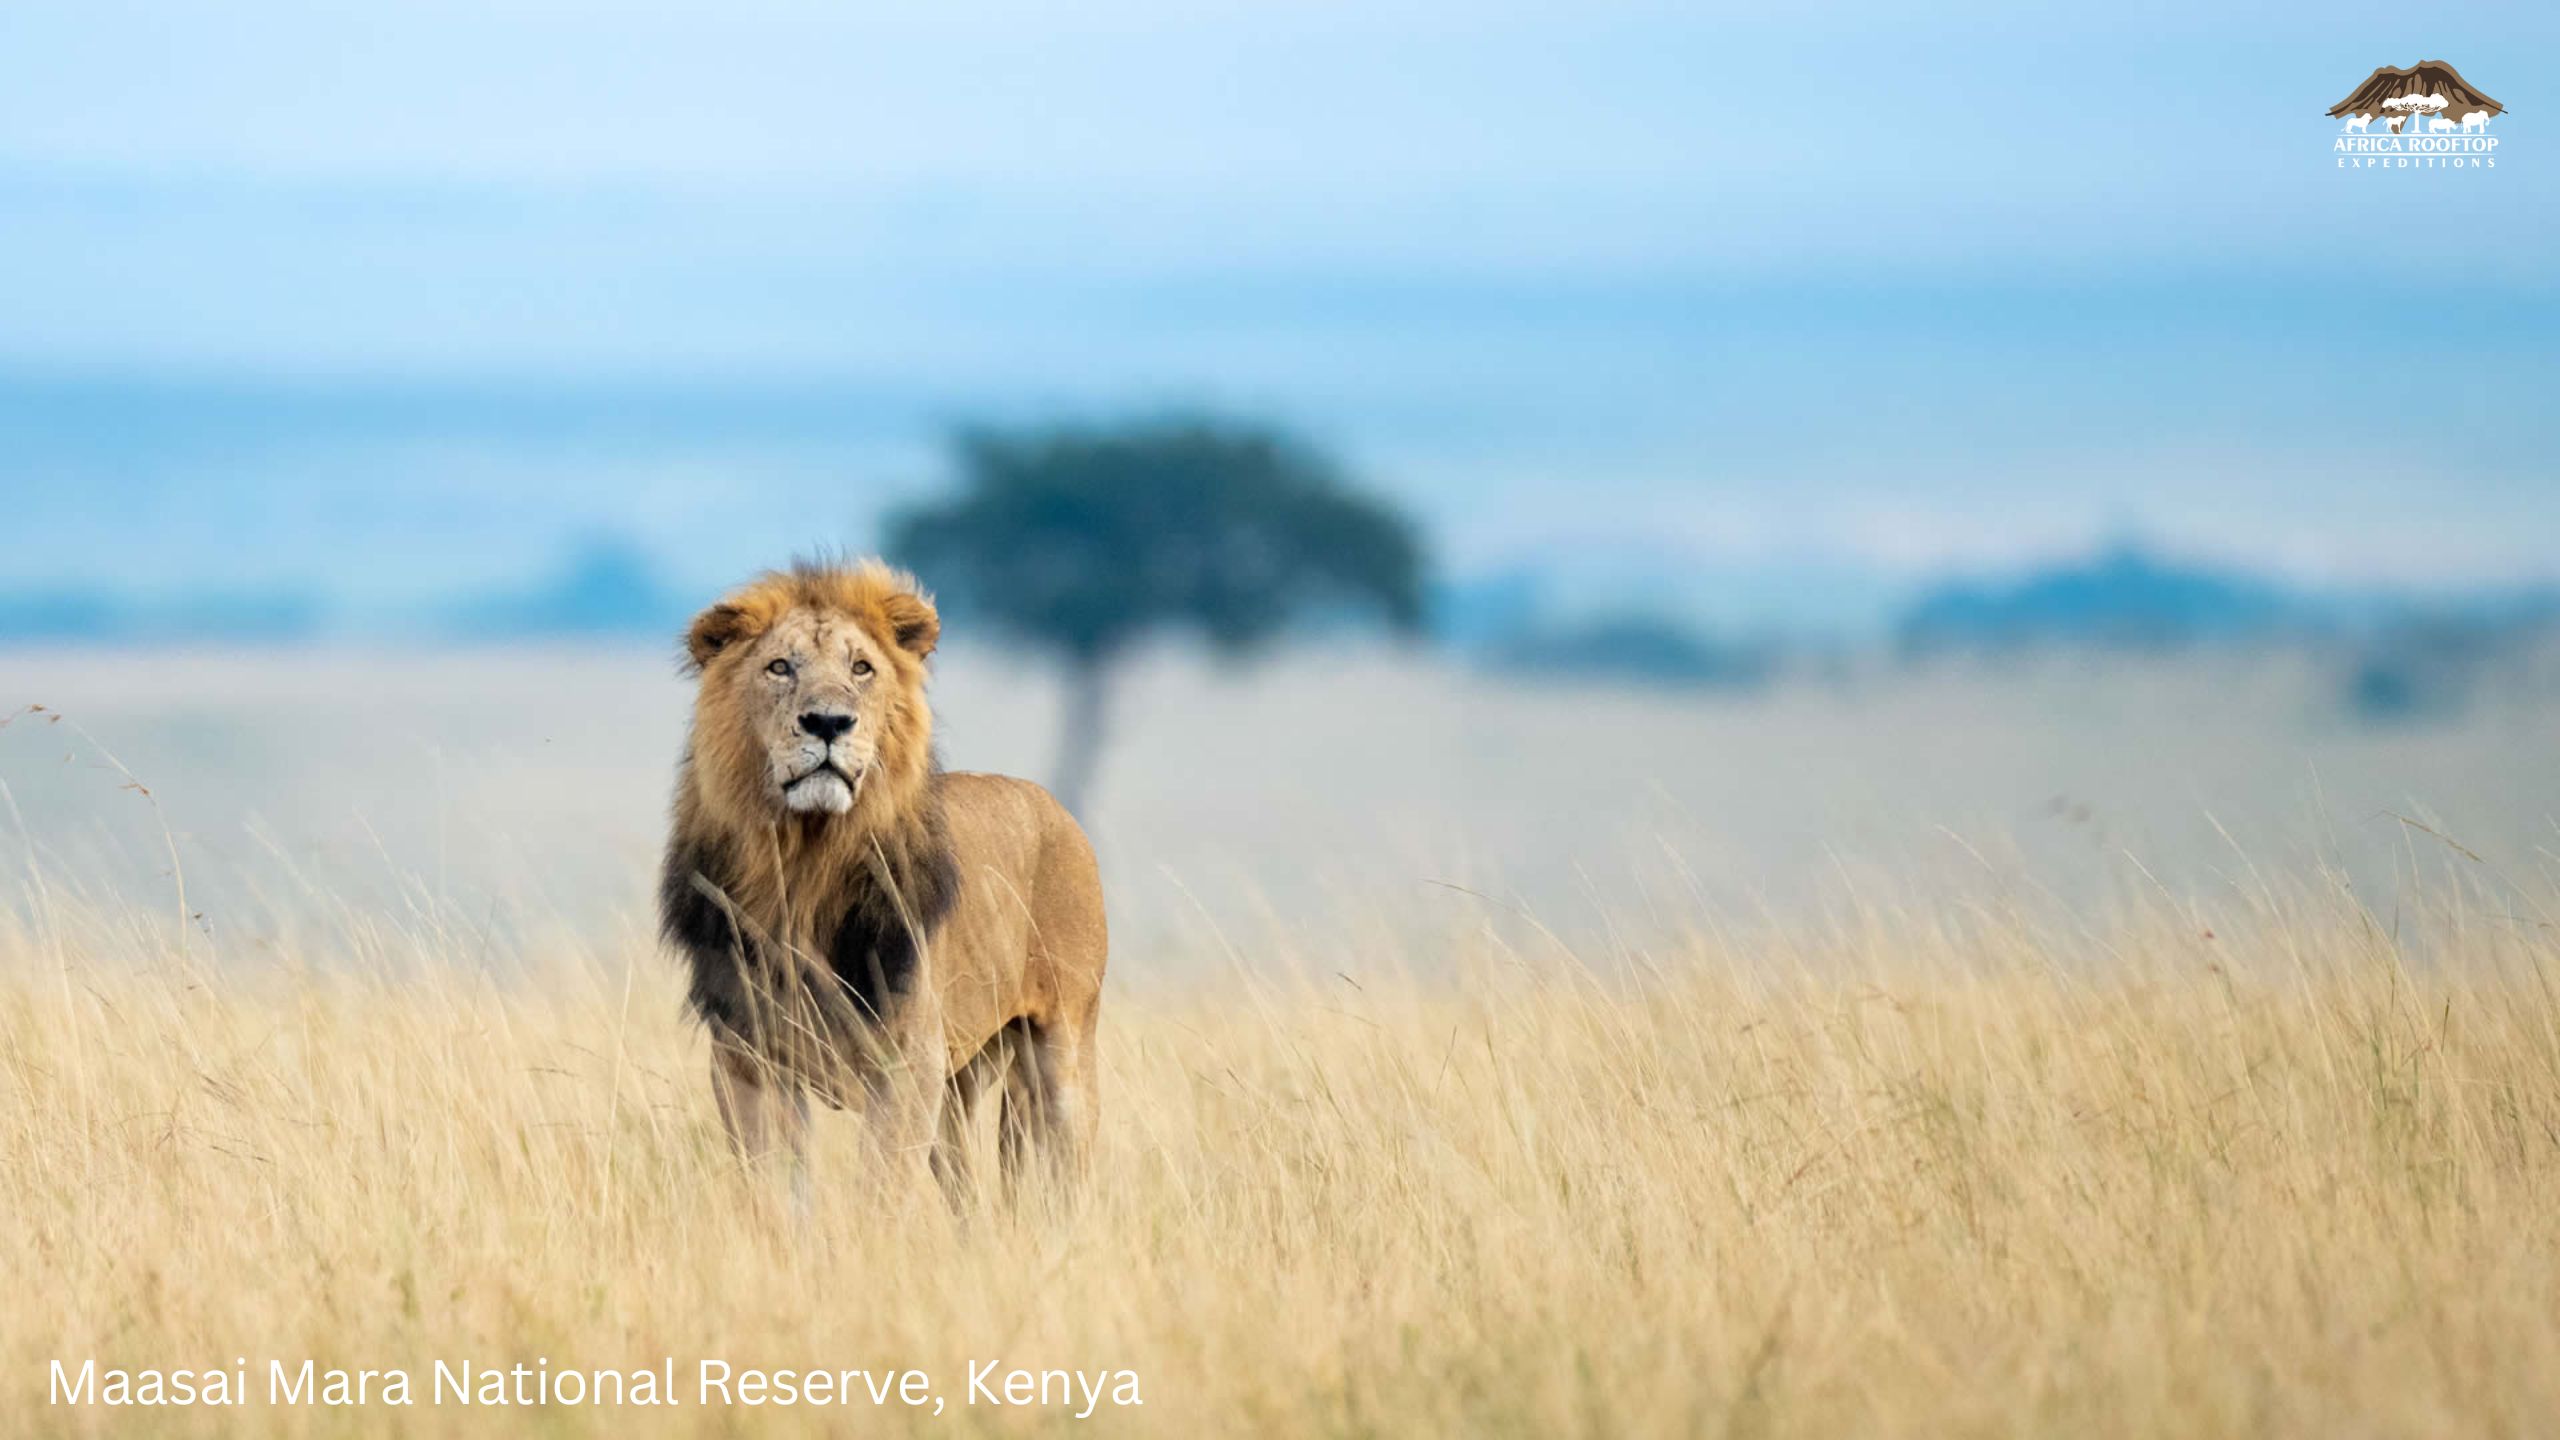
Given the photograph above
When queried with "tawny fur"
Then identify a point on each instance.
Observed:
(938, 939)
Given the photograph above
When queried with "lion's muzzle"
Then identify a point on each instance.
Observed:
(825, 790)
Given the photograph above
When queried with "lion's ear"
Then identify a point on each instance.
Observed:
(913, 623)
(715, 630)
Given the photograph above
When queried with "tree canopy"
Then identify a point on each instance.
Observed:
(1084, 539)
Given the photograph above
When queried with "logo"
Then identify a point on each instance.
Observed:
(2422, 117)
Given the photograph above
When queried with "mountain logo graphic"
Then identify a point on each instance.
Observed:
(2412, 117)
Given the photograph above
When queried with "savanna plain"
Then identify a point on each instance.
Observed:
(2137, 1050)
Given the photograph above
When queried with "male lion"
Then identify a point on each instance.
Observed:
(860, 923)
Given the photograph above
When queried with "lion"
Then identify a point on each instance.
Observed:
(860, 924)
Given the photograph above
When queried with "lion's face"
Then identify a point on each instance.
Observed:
(812, 692)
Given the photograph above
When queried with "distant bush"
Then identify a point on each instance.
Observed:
(1649, 649)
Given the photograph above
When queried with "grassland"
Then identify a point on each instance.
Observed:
(1951, 1157)
(1946, 1174)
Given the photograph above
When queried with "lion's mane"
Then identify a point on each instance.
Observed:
(798, 927)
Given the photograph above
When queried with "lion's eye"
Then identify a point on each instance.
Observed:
(861, 667)
(782, 668)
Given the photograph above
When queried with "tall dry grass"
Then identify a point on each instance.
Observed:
(2272, 1166)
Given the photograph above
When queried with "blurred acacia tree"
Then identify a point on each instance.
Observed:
(1085, 541)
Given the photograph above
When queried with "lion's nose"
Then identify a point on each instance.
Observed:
(826, 724)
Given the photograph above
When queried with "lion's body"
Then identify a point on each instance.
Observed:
(860, 925)
(1006, 893)
(1025, 941)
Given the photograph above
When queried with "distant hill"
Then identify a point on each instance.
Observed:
(95, 616)
(2124, 598)
(607, 587)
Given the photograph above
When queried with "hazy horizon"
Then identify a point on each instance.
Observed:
(391, 307)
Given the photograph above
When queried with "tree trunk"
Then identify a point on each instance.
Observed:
(1080, 735)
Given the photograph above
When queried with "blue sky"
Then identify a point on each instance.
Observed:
(1808, 301)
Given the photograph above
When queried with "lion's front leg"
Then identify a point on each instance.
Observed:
(738, 1086)
(899, 1121)
(762, 1113)
(902, 1094)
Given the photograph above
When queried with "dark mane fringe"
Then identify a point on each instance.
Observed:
(881, 907)
(897, 900)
